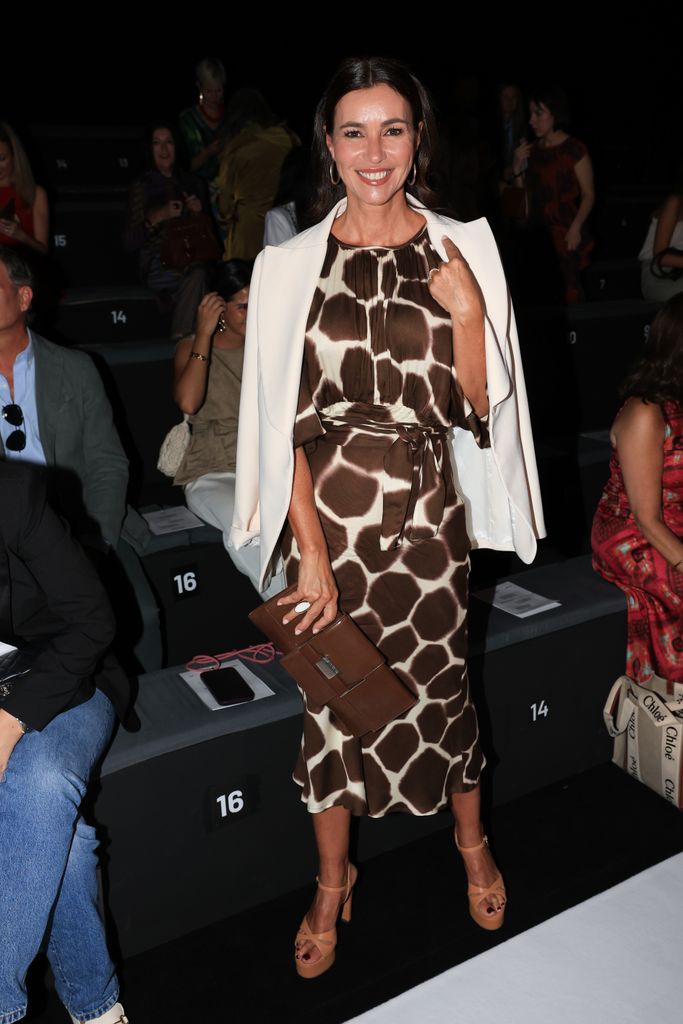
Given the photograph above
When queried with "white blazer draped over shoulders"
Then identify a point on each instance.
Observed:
(499, 484)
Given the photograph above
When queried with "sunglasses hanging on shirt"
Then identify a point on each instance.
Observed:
(16, 441)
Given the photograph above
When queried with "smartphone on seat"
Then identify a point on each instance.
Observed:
(227, 686)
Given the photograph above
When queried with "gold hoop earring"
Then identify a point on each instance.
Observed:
(333, 165)
(413, 175)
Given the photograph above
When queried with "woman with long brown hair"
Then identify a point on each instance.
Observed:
(367, 340)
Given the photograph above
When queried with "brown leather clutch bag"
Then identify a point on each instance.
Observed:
(337, 667)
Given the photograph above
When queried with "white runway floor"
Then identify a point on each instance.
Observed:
(615, 959)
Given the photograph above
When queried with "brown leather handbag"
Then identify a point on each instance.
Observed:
(338, 668)
(189, 240)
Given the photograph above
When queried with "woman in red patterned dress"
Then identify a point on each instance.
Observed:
(638, 526)
(558, 174)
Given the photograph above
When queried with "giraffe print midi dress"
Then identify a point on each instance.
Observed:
(378, 394)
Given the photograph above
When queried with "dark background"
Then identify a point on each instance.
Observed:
(127, 65)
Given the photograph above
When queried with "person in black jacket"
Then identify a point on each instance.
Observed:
(56, 720)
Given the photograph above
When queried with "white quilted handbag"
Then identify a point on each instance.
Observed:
(173, 448)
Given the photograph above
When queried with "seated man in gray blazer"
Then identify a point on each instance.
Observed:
(55, 413)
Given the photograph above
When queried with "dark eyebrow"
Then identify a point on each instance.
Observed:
(392, 120)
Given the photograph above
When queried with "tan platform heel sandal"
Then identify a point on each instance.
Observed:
(477, 894)
(325, 941)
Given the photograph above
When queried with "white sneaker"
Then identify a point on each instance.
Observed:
(115, 1015)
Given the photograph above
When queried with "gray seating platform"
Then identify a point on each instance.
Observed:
(99, 158)
(612, 279)
(138, 377)
(583, 595)
(191, 622)
(87, 242)
(621, 221)
(111, 314)
(172, 717)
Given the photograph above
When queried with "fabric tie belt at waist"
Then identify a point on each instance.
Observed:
(413, 482)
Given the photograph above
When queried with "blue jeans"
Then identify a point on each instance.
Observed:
(48, 880)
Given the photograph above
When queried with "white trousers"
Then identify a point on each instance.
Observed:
(212, 498)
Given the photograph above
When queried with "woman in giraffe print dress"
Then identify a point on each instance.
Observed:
(394, 356)
(378, 394)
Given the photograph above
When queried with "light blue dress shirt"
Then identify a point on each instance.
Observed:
(25, 398)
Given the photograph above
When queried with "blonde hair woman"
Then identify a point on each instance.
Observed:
(24, 215)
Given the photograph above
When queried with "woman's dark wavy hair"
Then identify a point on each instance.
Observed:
(151, 128)
(658, 376)
(555, 99)
(230, 277)
(362, 73)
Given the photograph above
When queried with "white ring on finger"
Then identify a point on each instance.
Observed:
(302, 606)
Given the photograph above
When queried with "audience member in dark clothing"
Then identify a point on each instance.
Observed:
(506, 205)
(511, 126)
(156, 199)
(201, 126)
(56, 721)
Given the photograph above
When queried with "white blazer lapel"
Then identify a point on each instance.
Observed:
(292, 271)
(292, 276)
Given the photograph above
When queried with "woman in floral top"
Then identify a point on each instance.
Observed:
(638, 526)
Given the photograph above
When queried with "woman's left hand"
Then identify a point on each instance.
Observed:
(455, 287)
(573, 238)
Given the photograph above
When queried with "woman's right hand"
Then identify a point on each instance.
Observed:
(10, 734)
(316, 586)
(12, 228)
(520, 157)
(208, 313)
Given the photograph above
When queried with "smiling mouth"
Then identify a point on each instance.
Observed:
(374, 177)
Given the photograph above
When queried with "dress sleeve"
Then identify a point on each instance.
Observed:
(462, 415)
(577, 150)
(307, 425)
